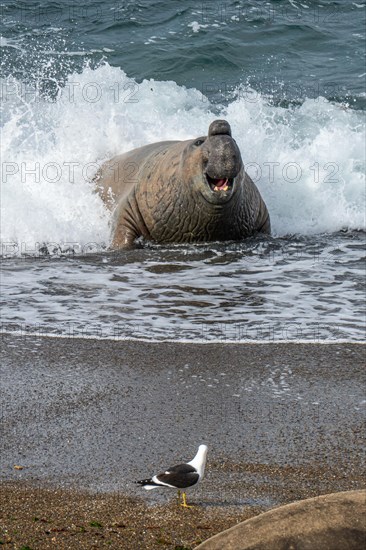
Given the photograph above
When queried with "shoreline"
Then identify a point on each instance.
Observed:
(195, 342)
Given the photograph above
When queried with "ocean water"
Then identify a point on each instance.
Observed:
(83, 82)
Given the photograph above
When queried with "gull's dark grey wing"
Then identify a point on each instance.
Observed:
(182, 469)
(180, 476)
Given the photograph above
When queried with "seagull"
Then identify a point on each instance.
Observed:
(181, 476)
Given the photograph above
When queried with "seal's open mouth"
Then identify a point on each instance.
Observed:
(220, 184)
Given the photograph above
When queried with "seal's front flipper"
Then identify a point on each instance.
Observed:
(124, 238)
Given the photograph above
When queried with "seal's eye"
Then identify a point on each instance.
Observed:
(199, 142)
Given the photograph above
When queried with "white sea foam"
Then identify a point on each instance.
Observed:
(66, 335)
(9, 43)
(317, 185)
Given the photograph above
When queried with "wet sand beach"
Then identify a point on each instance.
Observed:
(83, 419)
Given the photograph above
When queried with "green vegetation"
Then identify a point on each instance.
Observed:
(95, 524)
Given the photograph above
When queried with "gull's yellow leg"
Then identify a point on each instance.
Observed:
(184, 503)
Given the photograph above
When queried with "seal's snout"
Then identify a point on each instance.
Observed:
(223, 158)
(219, 127)
(221, 163)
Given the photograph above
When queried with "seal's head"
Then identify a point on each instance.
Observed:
(218, 163)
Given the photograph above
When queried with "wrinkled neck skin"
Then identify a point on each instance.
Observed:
(177, 204)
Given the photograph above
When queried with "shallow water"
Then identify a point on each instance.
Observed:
(308, 289)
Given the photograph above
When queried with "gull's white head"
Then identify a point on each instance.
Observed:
(199, 461)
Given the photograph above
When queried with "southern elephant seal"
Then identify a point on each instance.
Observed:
(182, 192)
